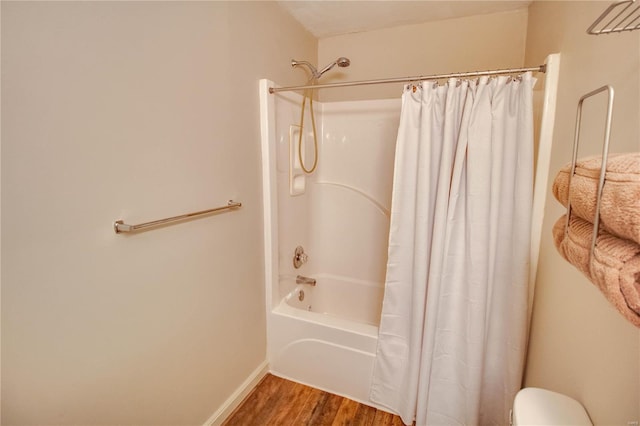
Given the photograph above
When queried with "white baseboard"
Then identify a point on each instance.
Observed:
(238, 395)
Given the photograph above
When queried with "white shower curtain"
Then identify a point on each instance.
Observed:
(452, 335)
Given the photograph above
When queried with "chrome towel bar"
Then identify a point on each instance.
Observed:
(119, 226)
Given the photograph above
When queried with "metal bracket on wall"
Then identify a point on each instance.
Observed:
(620, 16)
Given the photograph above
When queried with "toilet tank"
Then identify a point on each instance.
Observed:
(534, 406)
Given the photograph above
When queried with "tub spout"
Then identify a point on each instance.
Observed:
(305, 280)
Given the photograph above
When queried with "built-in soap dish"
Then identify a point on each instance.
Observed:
(297, 178)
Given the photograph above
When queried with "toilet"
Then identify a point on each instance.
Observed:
(535, 406)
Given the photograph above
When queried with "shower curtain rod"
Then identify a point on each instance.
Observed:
(540, 68)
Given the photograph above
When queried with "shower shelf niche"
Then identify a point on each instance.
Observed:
(297, 178)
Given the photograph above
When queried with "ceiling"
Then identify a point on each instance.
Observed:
(325, 18)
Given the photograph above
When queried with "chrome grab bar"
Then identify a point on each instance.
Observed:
(305, 280)
(119, 226)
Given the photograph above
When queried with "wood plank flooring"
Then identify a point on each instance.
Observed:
(277, 401)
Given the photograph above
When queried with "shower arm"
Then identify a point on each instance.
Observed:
(327, 68)
(315, 74)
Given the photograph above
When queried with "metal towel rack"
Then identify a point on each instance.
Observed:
(119, 226)
(619, 16)
(603, 165)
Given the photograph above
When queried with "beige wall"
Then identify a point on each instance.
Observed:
(465, 44)
(136, 111)
(141, 110)
(580, 345)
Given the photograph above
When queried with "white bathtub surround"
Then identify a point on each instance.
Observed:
(341, 218)
(452, 333)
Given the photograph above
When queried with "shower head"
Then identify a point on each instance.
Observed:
(341, 62)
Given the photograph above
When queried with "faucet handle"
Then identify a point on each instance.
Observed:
(299, 257)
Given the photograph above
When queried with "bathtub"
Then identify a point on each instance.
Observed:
(328, 339)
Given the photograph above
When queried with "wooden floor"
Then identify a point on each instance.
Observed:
(277, 401)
